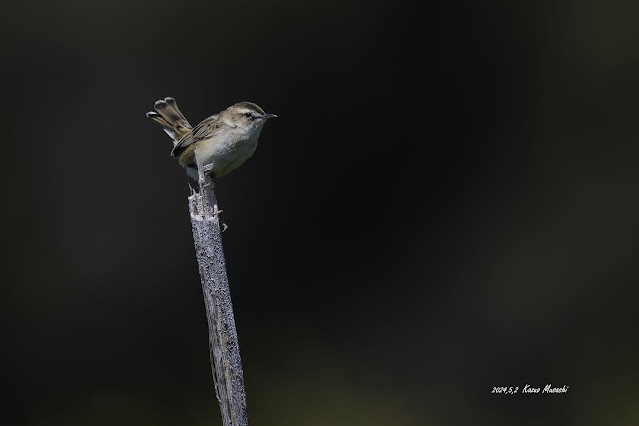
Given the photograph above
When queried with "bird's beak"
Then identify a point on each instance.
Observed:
(269, 116)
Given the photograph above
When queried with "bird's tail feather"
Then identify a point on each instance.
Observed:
(171, 119)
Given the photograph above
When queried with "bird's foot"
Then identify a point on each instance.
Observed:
(221, 219)
(212, 182)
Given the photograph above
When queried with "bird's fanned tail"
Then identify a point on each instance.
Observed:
(171, 119)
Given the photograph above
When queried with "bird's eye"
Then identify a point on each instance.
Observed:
(247, 115)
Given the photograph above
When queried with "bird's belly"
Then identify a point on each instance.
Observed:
(226, 157)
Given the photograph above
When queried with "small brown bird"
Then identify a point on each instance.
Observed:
(223, 141)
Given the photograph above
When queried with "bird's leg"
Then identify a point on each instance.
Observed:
(221, 219)
(212, 182)
(218, 212)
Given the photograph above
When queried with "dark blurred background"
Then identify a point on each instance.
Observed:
(446, 203)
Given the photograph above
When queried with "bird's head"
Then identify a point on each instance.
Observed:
(247, 116)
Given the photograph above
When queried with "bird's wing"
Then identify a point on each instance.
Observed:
(205, 130)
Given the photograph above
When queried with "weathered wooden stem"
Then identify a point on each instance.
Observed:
(225, 351)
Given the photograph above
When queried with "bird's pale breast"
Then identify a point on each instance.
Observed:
(226, 155)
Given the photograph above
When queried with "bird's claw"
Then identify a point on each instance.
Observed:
(212, 176)
(224, 225)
